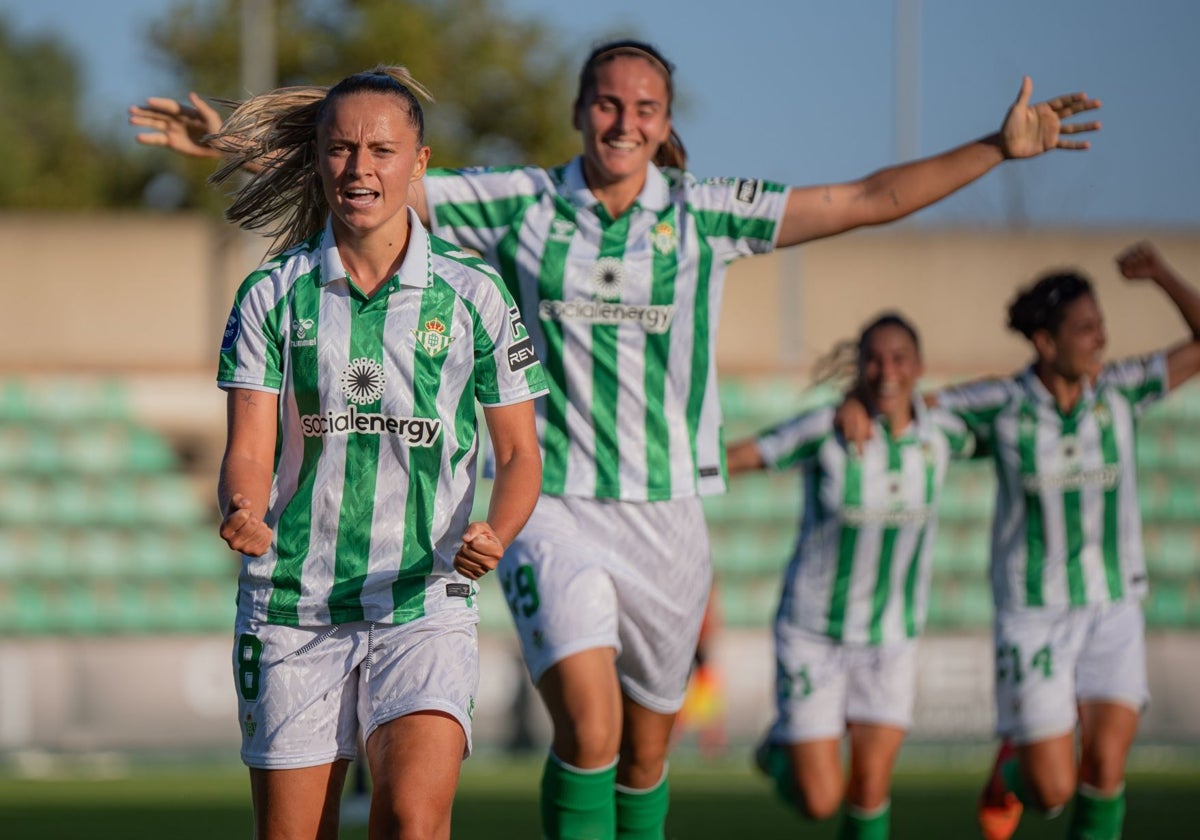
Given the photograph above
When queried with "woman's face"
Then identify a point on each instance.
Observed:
(368, 154)
(889, 369)
(624, 120)
(1076, 348)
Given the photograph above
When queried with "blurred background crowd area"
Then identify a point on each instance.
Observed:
(118, 273)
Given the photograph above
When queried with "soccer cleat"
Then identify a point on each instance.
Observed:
(999, 808)
(773, 762)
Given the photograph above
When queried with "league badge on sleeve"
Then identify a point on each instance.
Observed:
(233, 329)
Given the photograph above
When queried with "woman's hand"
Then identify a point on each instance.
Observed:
(176, 126)
(1141, 261)
(243, 530)
(480, 551)
(1030, 130)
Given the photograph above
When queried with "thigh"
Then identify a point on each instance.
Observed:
(1106, 733)
(561, 596)
(300, 802)
(583, 697)
(881, 684)
(1048, 768)
(297, 690)
(1112, 664)
(816, 767)
(1036, 651)
(427, 665)
(645, 741)
(810, 687)
(873, 751)
(415, 762)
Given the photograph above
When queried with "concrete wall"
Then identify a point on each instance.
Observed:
(149, 294)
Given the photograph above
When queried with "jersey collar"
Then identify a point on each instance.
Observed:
(918, 429)
(1041, 394)
(655, 194)
(415, 271)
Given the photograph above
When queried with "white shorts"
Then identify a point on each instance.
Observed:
(822, 684)
(305, 693)
(1048, 659)
(633, 576)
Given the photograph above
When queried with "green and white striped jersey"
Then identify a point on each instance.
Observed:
(861, 568)
(623, 313)
(377, 437)
(1067, 529)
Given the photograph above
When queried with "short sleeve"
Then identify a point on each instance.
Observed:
(251, 346)
(797, 440)
(1142, 381)
(739, 216)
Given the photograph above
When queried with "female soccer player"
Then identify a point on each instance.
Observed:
(1067, 566)
(1067, 571)
(856, 589)
(617, 260)
(353, 362)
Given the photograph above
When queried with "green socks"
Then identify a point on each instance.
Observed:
(578, 804)
(772, 761)
(1096, 816)
(1010, 771)
(858, 824)
(642, 814)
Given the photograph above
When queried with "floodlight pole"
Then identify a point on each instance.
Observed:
(907, 102)
(258, 46)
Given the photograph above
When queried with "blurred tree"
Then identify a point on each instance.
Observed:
(504, 87)
(52, 161)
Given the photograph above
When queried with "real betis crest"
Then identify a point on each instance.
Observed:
(433, 338)
(663, 238)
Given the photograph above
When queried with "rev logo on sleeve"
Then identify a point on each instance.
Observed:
(747, 190)
(521, 355)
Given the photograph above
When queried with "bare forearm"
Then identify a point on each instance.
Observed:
(897, 191)
(246, 477)
(514, 494)
(743, 456)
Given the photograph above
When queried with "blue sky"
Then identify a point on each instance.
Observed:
(803, 92)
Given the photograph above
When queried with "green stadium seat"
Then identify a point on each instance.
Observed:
(1172, 549)
(493, 611)
(1167, 606)
(202, 553)
(51, 558)
(148, 452)
(22, 500)
(31, 613)
(748, 601)
(167, 499)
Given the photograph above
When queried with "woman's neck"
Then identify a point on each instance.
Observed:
(618, 195)
(371, 258)
(899, 420)
(1065, 391)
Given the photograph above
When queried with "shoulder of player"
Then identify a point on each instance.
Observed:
(513, 178)
(464, 271)
(276, 276)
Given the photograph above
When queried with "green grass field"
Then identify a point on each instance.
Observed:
(497, 799)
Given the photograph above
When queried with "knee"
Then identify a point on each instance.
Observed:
(586, 742)
(406, 819)
(818, 799)
(1103, 769)
(1051, 793)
